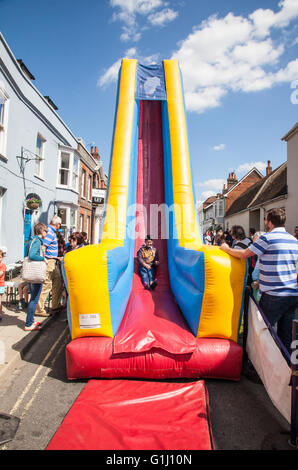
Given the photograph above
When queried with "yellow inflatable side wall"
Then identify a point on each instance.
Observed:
(86, 269)
(224, 275)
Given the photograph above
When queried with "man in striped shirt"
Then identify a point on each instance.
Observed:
(53, 282)
(277, 252)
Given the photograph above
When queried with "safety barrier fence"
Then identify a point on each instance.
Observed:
(292, 360)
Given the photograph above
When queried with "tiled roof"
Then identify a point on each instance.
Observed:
(275, 186)
(242, 202)
(209, 201)
(291, 132)
(267, 188)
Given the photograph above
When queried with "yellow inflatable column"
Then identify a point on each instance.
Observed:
(86, 269)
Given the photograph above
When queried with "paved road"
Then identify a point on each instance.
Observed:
(39, 393)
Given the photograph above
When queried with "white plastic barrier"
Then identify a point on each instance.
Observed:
(268, 361)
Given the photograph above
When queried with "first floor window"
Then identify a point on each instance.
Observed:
(63, 215)
(3, 119)
(88, 229)
(72, 221)
(68, 220)
(83, 182)
(39, 155)
(75, 173)
(90, 187)
(81, 222)
(64, 168)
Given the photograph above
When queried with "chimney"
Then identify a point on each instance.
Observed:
(269, 168)
(95, 153)
(232, 179)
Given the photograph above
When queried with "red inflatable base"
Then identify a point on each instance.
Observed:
(93, 357)
(130, 415)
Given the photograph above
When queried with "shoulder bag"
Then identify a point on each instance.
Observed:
(34, 271)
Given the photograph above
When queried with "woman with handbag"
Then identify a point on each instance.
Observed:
(36, 254)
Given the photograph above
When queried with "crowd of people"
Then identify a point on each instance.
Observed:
(235, 236)
(272, 258)
(272, 268)
(46, 246)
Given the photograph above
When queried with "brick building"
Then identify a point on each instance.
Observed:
(249, 209)
(235, 188)
(91, 177)
(213, 211)
(100, 182)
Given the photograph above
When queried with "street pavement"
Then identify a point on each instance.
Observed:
(14, 340)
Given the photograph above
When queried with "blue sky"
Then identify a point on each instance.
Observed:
(238, 60)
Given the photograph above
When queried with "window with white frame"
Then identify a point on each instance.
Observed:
(73, 219)
(68, 219)
(88, 228)
(81, 222)
(68, 171)
(90, 187)
(64, 169)
(221, 211)
(4, 100)
(83, 182)
(75, 173)
(40, 141)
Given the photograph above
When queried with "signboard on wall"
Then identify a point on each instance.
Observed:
(98, 196)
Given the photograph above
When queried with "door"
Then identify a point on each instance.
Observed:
(27, 228)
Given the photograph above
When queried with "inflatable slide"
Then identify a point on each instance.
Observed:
(188, 326)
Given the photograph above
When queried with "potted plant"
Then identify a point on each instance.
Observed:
(33, 203)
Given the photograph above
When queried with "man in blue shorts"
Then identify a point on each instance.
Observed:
(277, 251)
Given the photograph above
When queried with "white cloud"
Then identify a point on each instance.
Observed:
(162, 17)
(289, 73)
(265, 19)
(111, 74)
(136, 6)
(245, 167)
(208, 188)
(235, 53)
(128, 12)
(219, 147)
(206, 194)
(214, 184)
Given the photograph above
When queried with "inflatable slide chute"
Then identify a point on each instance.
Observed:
(206, 284)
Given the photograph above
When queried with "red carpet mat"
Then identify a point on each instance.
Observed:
(137, 415)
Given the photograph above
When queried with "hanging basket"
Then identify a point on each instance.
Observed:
(33, 205)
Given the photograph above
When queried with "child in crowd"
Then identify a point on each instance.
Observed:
(256, 272)
(2, 280)
(23, 290)
(219, 238)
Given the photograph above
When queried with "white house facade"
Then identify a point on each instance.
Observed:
(291, 138)
(38, 158)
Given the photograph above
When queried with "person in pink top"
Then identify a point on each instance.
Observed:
(2, 280)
